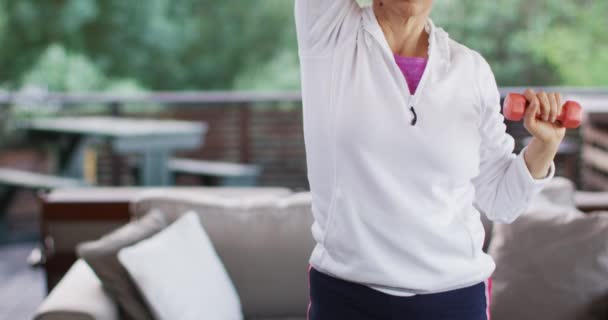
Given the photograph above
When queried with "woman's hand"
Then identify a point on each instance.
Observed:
(548, 106)
(547, 133)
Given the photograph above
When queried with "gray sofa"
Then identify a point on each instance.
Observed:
(262, 236)
(263, 239)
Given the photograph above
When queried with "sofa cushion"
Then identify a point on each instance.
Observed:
(551, 263)
(180, 275)
(264, 242)
(559, 191)
(101, 256)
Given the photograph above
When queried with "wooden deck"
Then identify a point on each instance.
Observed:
(21, 287)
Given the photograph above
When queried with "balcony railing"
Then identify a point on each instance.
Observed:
(255, 127)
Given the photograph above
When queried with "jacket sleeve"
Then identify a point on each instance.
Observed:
(321, 24)
(504, 185)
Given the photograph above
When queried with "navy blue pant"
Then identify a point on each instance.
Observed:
(337, 299)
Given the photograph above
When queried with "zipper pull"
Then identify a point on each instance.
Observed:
(415, 119)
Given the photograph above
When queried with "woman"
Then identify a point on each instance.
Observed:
(399, 170)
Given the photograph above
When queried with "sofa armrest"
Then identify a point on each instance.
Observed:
(78, 296)
(588, 201)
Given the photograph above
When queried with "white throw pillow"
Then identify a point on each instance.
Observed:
(180, 274)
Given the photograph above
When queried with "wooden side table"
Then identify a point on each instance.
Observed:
(78, 214)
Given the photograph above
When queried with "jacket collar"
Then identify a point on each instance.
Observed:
(439, 49)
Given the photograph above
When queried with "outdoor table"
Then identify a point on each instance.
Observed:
(153, 139)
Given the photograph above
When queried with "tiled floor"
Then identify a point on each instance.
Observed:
(21, 287)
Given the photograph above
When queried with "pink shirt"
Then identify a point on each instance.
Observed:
(412, 69)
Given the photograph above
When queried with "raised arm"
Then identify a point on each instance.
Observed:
(505, 185)
(322, 24)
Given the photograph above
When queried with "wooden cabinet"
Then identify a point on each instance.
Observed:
(70, 216)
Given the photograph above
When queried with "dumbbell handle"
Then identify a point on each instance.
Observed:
(515, 106)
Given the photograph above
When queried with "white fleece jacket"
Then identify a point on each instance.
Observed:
(397, 206)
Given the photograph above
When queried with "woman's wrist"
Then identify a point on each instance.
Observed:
(550, 143)
(539, 155)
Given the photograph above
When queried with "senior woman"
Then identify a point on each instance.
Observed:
(405, 146)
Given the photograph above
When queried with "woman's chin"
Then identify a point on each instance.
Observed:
(409, 8)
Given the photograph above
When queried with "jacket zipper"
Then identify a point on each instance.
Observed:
(412, 100)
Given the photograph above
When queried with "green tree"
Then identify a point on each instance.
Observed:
(578, 46)
(164, 44)
(209, 44)
(541, 42)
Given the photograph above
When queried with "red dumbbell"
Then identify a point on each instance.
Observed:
(515, 105)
